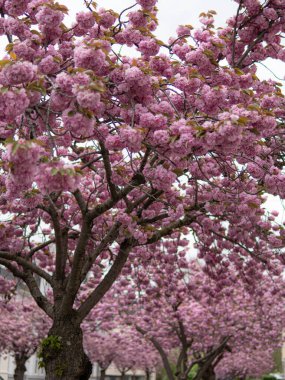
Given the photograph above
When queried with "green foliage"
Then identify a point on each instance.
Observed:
(269, 377)
(193, 372)
(49, 347)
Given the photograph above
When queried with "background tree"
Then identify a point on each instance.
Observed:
(23, 328)
(120, 346)
(246, 364)
(104, 154)
(189, 318)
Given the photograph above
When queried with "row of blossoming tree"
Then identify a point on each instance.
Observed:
(104, 155)
(189, 320)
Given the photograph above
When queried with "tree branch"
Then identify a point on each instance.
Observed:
(251, 46)
(164, 231)
(74, 278)
(27, 265)
(108, 171)
(38, 296)
(107, 240)
(161, 352)
(14, 270)
(107, 281)
(137, 180)
(60, 254)
(40, 246)
(80, 201)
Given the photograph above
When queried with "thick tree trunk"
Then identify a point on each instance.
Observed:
(102, 373)
(20, 361)
(63, 354)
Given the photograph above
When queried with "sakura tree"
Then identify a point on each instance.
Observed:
(108, 343)
(104, 154)
(23, 326)
(101, 348)
(245, 364)
(133, 353)
(191, 319)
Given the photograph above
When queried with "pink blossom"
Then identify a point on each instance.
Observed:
(89, 99)
(89, 58)
(13, 104)
(23, 159)
(16, 7)
(48, 17)
(59, 176)
(77, 123)
(149, 47)
(138, 19)
(133, 74)
(281, 54)
(19, 72)
(107, 18)
(183, 30)
(132, 138)
(16, 27)
(147, 4)
(85, 19)
(49, 64)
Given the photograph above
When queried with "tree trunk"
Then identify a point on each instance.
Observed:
(147, 372)
(20, 361)
(63, 354)
(102, 373)
(209, 374)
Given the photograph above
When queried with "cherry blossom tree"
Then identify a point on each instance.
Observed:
(108, 343)
(103, 154)
(101, 348)
(245, 364)
(191, 319)
(23, 327)
(133, 353)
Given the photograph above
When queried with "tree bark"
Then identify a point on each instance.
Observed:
(20, 361)
(209, 374)
(102, 373)
(63, 354)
